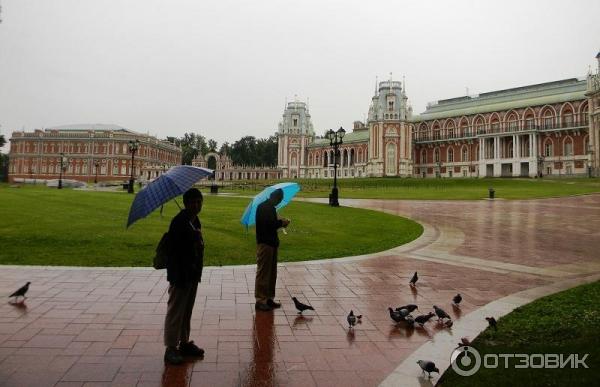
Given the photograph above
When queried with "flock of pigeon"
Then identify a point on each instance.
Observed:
(401, 314)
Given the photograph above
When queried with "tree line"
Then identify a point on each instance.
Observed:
(248, 150)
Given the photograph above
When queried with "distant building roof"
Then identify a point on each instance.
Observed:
(350, 138)
(518, 97)
(90, 127)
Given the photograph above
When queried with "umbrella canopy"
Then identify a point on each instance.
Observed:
(289, 191)
(167, 186)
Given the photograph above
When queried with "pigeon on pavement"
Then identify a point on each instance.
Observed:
(414, 279)
(20, 292)
(396, 316)
(441, 313)
(410, 307)
(351, 319)
(492, 322)
(422, 319)
(457, 299)
(300, 306)
(428, 366)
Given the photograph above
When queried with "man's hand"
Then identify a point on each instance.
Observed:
(285, 222)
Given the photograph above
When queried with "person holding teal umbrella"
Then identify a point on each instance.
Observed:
(267, 244)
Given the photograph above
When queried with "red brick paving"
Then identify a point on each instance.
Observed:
(103, 327)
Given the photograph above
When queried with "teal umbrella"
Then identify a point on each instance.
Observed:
(289, 191)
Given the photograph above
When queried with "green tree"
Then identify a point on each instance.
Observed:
(212, 145)
(225, 149)
(2, 140)
(243, 151)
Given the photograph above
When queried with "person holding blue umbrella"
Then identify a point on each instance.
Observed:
(267, 244)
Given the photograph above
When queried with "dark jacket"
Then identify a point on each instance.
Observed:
(186, 258)
(267, 224)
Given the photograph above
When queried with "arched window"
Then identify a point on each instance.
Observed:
(423, 156)
(293, 160)
(479, 126)
(465, 154)
(548, 148)
(568, 147)
(436, 132)
(548, 120)
(567, 118)
(436, 155)
(513, 123)
(450, 155)
(391, 159)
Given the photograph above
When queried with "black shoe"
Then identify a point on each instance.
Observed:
(263, 307)
(191, 349)
(173, 357)
(273, 304)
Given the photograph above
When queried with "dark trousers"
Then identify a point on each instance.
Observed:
(179, 314)
(266, 272)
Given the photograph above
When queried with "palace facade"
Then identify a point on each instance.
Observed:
(531, 131)
(89, 152)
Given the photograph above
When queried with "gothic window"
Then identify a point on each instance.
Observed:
(568, 147)
(450, 155)
(436, 155)
(465, 154)
(390, 105)
(512, 123)
(548, 120)
(391, 158)
(548, 149)
(423, 156)
(529, 123)
(568, 119)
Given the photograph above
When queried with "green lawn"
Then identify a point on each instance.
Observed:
(564, 323)
(44, 226)
(436, 189)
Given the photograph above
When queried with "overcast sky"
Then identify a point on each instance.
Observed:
(224, 69)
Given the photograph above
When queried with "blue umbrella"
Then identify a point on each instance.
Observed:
(289, 191)
(167, 186)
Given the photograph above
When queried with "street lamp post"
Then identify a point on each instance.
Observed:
(63, 160)
(335, 140)
(590, 152)
(133, 147)
(96, 164)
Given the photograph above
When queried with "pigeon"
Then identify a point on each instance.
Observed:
(428, 366)
(410, 307)
(414, 279)
(351, 319)
(441, 313)
(464, 342)
(448, 323)
(21, 292)
(492, 322)
(422, 319)
(410, 320)
(457, 299)
(300, 306)
(396, 315)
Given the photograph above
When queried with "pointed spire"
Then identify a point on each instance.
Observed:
(375, 84)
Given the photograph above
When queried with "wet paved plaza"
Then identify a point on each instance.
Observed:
(103, 327)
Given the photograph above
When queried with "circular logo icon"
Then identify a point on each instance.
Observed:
(465, 360)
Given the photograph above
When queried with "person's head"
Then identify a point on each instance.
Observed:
(276, 196)
(192, 200)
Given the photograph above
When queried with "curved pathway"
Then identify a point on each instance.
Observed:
(104, 326)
